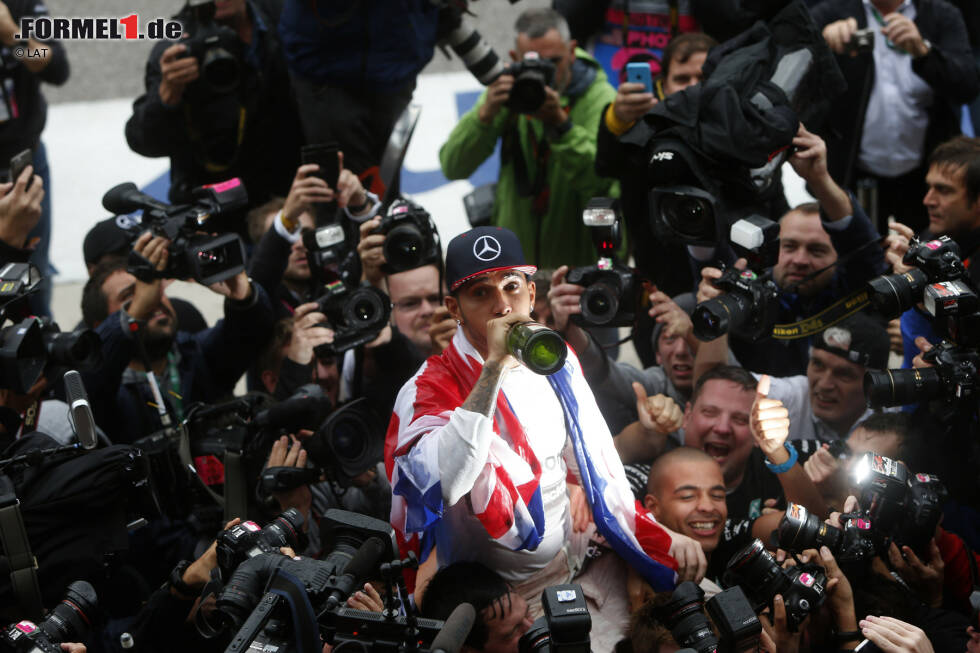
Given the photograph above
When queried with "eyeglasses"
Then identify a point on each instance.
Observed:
(415, 303)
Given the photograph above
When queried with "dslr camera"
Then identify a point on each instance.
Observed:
(933, 262)
(356, 316)
(532, 75)
(69, 621)
(194, 255)
(612, 290)
(565, 626)
(803, 587)
(897, 508)
(246, 540)
(411, 237)
(215, 46)
(738, 626)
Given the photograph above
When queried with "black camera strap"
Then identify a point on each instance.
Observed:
(20, 560)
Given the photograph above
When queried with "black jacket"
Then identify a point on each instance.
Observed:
(949, 69)
(25, 130)
(267, 155)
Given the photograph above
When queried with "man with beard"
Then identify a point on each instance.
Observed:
(140, 335)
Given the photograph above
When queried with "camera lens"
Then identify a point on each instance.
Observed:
(80, 349)
(801, 529)
(363, 309)
(404, 248)
(537, 637)
(685, 618)
(284, 530)
(220, 69)
(720, 315)
(757, 572)
(900, 387)
(71, 619)
(599, 303)
(527, 94)
(691, 217)
(893, 294)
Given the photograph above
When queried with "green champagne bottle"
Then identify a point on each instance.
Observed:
(540, 349)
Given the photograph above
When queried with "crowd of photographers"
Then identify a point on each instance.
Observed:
(442, 445)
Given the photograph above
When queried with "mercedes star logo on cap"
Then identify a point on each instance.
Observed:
(486, 248)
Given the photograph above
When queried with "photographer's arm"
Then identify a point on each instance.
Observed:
(156, 127)
(948, 65)
(810, 162)
(472, 140)
(20, 210)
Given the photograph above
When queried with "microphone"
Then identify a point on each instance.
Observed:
(81, 412)
(126, 198)
(307, 408)
(360, 566)
(455, 630)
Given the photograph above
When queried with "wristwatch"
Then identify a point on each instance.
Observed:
(176, 580)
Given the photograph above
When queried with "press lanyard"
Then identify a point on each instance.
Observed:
(175, 388)
(881, 21)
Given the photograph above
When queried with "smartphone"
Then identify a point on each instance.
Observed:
(18, 163)
(325, 156)
(639, 72)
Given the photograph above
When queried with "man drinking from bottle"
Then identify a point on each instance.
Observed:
(479, 446)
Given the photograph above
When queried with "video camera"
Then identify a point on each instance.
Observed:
(215, 46)
(897, 507)
(612, 290)
(33, 346)
(738, 626)
(349, 442)
(69, 621)
(194, 255)
(275, 603)
(565, 626)
(411, 237)
(803, 587)
(938, 280)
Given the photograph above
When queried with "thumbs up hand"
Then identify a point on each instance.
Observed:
(658, 413)
(769, 423)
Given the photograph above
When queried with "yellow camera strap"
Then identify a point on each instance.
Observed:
(829, 316)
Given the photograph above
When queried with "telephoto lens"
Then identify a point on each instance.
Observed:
(800, 529)
(757, 572)
(685, 618)
(720, 315)
(540, 349)
(893, 294)
(901, 387)
(71, 619)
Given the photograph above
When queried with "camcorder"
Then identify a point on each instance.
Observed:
(897, 507)
(940, 282)
(69, 621)
(193, 254)
(565, 626)
(275, 603)
(356, 316)
(411, 237)
(612, 290)
(31, 346)
(216, 47)
(349, 442)
(738, 627)
(803, 587)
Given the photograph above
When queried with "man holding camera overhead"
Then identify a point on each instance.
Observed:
(221, 108)
(545, 110)
(904, 88)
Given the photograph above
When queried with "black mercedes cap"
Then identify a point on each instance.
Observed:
(482, 250)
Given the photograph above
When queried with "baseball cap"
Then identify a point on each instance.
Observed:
(112, 235)
(482, 250)
(859, 339)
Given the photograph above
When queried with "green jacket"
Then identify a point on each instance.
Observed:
(558, 237)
